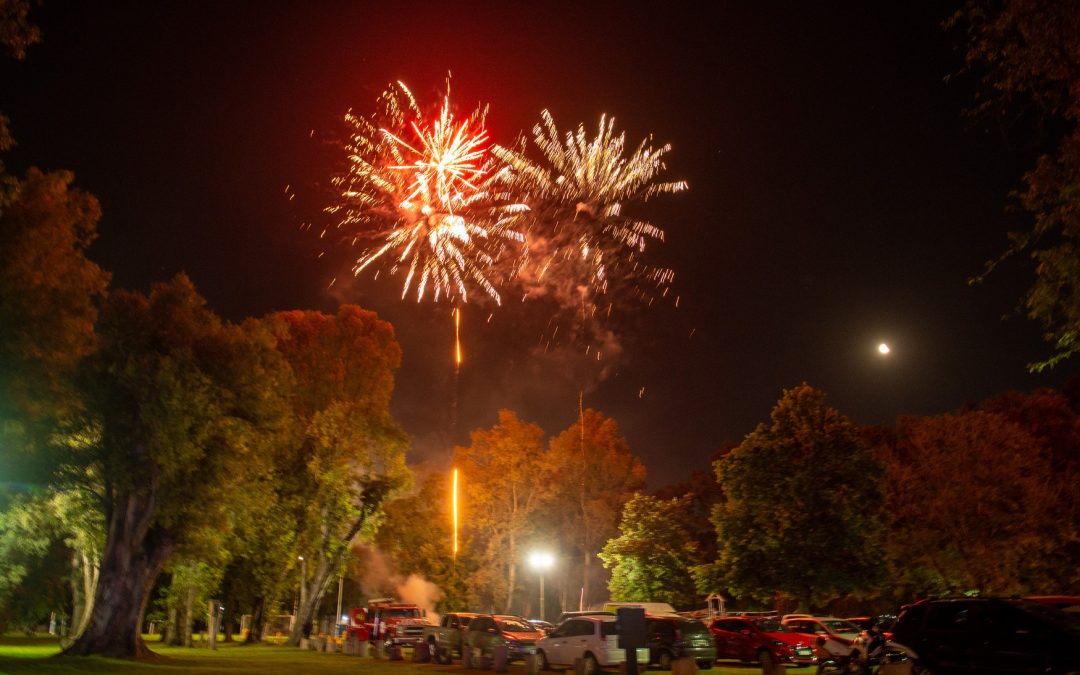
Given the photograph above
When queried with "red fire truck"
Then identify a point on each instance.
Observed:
(394, 624)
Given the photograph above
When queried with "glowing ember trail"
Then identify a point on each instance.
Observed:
(454, 507)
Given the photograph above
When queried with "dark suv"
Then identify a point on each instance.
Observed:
(670, 638)
(988, 635)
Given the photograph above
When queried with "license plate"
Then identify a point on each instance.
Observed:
(803, 651)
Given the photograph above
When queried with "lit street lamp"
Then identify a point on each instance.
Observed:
(541, 561)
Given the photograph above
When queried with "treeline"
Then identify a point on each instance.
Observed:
(810, 511)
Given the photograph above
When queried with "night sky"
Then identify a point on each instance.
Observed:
(838, 195)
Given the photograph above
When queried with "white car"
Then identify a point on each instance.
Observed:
(591, 638)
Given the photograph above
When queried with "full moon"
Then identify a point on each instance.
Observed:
(883, 348)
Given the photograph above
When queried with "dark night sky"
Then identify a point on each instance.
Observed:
(838, 195)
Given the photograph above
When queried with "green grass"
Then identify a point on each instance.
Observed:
(35, 655)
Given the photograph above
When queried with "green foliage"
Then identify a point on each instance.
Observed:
(803, 502)
(343, 453)
(48, 291)
(653, 557)
(1027, 53)
(417, 534)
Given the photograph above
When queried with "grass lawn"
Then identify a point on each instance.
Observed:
(34, 655)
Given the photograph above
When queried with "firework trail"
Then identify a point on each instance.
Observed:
(581, 244)
(417, 197)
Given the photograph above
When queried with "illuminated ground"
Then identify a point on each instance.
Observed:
(32, 655)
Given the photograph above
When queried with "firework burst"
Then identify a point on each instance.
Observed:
(416, 196)
(579, 237)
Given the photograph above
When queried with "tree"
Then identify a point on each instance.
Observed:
(182, 400)
(417, 535)
(504, 472)
(598, 475)
(1027, 53)
(653, 558)
(973, 505)
(803, 500)
(48, 295)
(347, 453)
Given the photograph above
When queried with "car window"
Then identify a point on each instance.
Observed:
(841, 626)
(481, 624)
(692, 627)
(607, 628)
(515, 626)
(769, 626)
(952, 617)
(578, 627)
(464, 620)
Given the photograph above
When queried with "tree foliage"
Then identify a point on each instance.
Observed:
(346, 452)
(182, 399)
(506, 482)
(597, 475)
(1027, 53)
(653, 558)
(801, 516)
(974, 503)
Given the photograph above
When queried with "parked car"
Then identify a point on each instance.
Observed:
(487, 631)
(1066, 603)
(824, 626)
(671, 638)
(542, 625)
(569, 615)
(590, 638)
(988, 635)
(448, 635)
(762, 640)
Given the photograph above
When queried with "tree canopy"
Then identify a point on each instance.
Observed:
(803, 498)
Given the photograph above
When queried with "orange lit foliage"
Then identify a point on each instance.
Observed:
(974, 505)
(506, 480)
(597, 476)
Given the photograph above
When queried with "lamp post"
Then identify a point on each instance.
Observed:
(541, 561)
(303, 577)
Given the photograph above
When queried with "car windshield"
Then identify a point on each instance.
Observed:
(399, 613)
(693, 628)
(840, 626)
(1053, 616)
(769, 626)
(515, 626)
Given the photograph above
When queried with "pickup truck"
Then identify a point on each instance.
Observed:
(448, 636)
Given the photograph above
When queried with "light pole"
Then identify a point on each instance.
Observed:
(541, 561)
(303, 577)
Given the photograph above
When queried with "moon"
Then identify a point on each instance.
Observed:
(883, 348)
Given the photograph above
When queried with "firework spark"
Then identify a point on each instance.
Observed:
(580, 238)
(416, 196)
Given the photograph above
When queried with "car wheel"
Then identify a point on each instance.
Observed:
(544, 665)
(917, 669)
(665, 660)
(590, 666)
(704, 665)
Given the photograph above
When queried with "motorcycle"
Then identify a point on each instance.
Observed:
(865, 655)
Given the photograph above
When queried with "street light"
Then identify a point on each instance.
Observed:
(303, 577)
(541, 561)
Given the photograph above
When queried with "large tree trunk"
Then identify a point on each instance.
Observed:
(258, 619)
(134, 555)
(511, 574)
(83, 588)
(313, 595)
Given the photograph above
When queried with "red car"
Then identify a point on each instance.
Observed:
(761, 640)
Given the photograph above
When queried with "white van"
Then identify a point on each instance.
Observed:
(589, 638)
